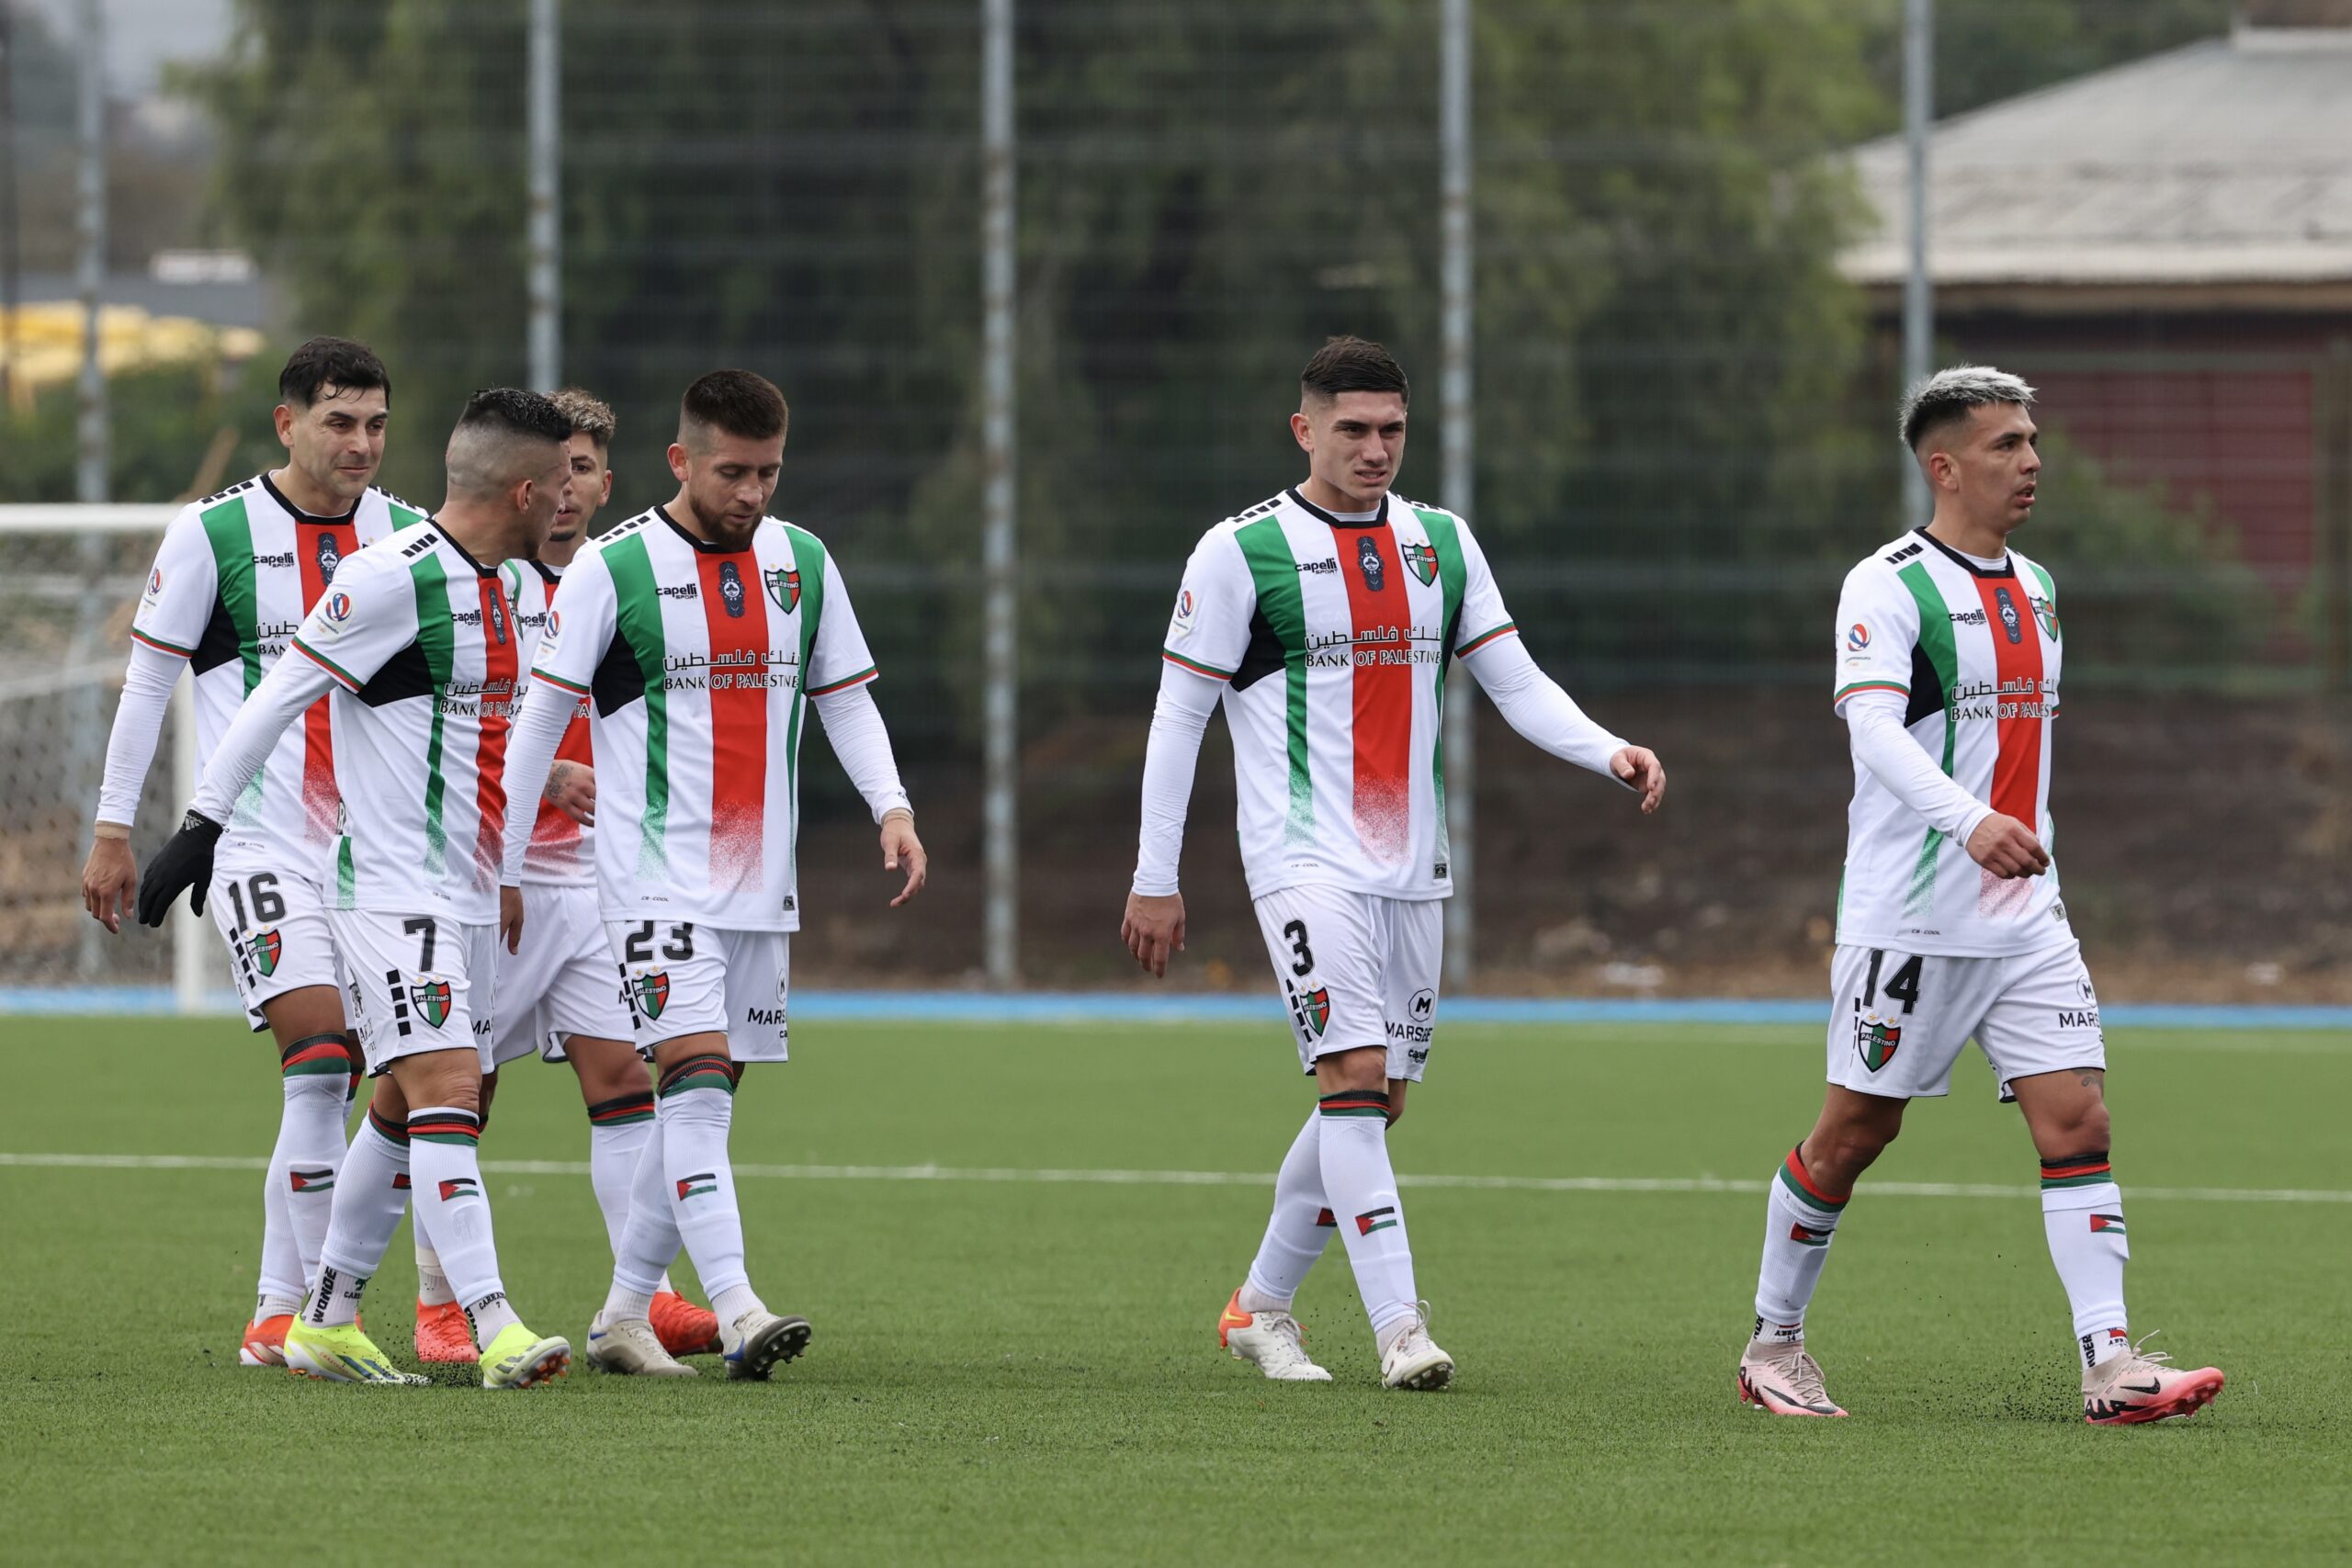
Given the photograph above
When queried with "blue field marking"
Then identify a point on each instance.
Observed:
(1100, 1008)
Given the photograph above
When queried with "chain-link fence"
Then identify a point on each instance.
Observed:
(1683, 420)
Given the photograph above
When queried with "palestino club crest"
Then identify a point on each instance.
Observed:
(330, 556)
(784, 587)
(2047, 614)
(1422, 561)
(651, 992)
(431, 998)
(1311, 1010)
(265, 948)
(730, 590)
(1875, 1042)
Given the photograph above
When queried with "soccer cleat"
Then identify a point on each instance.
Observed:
(756, 1341)
(631, 1347)
(1413, 1360)
(2138, 1386)
(520, 1358)
(442, 1334)
(684, 1328)
(1782, 1380)
(342, 1354)
(264, 1341)
(1272, 1341)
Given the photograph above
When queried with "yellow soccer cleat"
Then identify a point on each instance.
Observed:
(520, 1358)
(342, 1355)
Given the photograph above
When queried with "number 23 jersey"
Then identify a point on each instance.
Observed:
(698, 663)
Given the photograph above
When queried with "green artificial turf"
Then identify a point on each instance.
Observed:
(1025, 1371)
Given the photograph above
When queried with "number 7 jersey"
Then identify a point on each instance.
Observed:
(1974, 653)
(698, 663)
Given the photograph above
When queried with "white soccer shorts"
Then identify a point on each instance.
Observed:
(419, 983)
(562, 982)
(685, 979)
(1898, 1020)
(1357, 970)
(274, 923)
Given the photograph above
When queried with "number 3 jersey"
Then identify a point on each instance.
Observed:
(1333, 638)
(1974, 653)
(698, 663)
(417, 642)
(234, 576)
(561, 852)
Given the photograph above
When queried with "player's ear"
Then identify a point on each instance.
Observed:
(284, 419)
(608, 493)
(1302, 432)
(677, 462)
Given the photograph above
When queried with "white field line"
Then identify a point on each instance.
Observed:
(1021, 1176)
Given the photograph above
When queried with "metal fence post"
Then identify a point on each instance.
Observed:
(1456, 412)
(999, 652)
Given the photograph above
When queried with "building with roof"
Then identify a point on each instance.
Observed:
(2166, 250)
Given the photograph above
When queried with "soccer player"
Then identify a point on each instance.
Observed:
(700, 633)
(559, 994)
(235, 574)
(1950, 922)
(417, 641)
(1323, 618)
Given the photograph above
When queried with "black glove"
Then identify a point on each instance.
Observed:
(184, 863)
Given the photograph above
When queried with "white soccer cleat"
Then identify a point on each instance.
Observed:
(2139, 1386)
(756, 1342)
(1271, 1341)
(1783, 1380)
(630, 1347)
(1414, 1360)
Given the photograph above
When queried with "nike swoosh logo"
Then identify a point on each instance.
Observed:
(2135, 1388)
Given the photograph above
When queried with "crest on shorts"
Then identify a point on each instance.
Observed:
(431, 998)
(1422, 561)
(784, 587)
(1875, 1042)
(265, 948)
(650, 992)
(1311, 1010)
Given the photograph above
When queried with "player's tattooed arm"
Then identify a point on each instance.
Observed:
(571, 789)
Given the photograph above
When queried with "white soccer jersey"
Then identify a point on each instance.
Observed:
(698, 663)
(1334, 638)
(561, 852)
(1975, 654)
(421, 641)
(234, 576)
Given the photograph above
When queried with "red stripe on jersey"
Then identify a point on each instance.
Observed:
(1384, 692)
(2016, 769)
(502, 648)
(735, 609)
(320, 798)
(552, 831)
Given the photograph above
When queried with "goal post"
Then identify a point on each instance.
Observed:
(70, 578)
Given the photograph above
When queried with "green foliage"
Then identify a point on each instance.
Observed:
(1989, 50)
(163, 424)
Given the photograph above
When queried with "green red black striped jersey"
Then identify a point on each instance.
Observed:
(235, 574)
(1973, 654)
(698, 663)
(1333, 637)
(561, 852)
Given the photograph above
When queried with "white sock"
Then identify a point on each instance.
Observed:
(1799, 1218)
(446, 1168)
(696, 1106)
(732, 1303)
(1361, 1187)
(370, 1195)
(618, 1133)
(649, 1237)
(1298, 1229)
(2082, 1215)
(432, 1281)
(313, 1075)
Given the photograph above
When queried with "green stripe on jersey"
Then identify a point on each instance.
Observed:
(638, 619)
(347, 878)
(1275, 570)
(808, 559)
(1934, 641)
(437, 638)
(1452, 574)
(231, 534)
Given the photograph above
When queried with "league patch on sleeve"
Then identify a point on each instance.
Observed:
(1180, 625)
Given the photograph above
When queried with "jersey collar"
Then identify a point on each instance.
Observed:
(703, 545)
(479, 569)
(2008, 562)
(295, 512)
(1313, 510)
(548, 574)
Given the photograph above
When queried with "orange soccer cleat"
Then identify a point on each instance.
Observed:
(264, 1344)
(684, 1328)
(444, 1334)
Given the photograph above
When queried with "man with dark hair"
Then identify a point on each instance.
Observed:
(416, 640)
(235, 574)
(1324, 620)
(701, 633)
(1950, 922)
